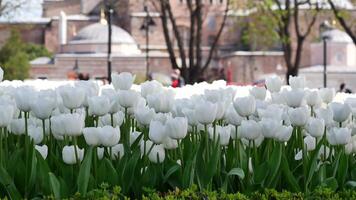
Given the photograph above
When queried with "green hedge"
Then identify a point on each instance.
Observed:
(105, 193)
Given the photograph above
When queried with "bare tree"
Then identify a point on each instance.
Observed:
(348, 25)
(289, 23)
(190, 55)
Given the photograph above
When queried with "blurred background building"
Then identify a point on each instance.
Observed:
(76, 32)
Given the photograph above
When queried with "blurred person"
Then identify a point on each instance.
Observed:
(177, 79)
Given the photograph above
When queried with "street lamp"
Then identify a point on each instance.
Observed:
(322, 28)
(109, 12)
(148, 21)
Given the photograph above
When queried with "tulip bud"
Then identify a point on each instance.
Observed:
(245, 106)
(122, 81)
(170, 143)
(90, 89)
(327, 94)
(223, 133)
(270, 127)
(68, 154)
(91, 136)
(274, 83)
(341, 111)
(24, 96)
(118, 119)
(100, 152)
(35, 133)
(150, 87)
(294, 98)
(309, 142)
(313, 98)
(161, 102)
(98, 105)
(326, 114)
(157, 132)
(177, 128)
(72, 97)
(43, 106)
(250, 129)
(284, 133)
(109, 136)
(298, 116)
(43, 150)
(128, 98)
(73, 124)
(205, 112)
(338, 136)
(315, 127)
(144, 115)
(17, 126)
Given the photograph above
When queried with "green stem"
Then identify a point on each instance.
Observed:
(44, 130)
(76, 151)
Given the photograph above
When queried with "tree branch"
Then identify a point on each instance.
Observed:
(212, 49)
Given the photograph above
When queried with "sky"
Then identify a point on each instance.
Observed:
(28, 11)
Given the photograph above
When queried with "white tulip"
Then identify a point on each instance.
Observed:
(221, 132)
(117, 151)
(35, 133)
(98, 105)
(90, 89)
(17, 126)
(313, 98)
(144, 115)
(177, 128)
(118, 119)
(100, 152)
(161, 102)
(205, 112)
(24, 97)
(145, 146)
(309, 142)
(245, 106)
(128, 98)
(250, 129)
(294, 98)
(326, 114)
(170, 143)
(43, 106)
(150, 87)
(43, 150)
(6, 114)
(157, 132)
(341, 111)
(297, 82)
(298, 116)
(270, 127)
(315, 127)
(273, 111)
(122, 81)
(327, 94)
(57, 125)
(72, 97)
(338, 136)
(73, 124)
(258, 92)
(284, 133)
(274, 83)
(109, 136)
(91, 136)
(232, 117)
(190, 115)
(68, 154)
(157, 154)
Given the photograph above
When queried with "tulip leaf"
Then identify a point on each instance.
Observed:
(274, 164)
(313, 164)
(237, 172)
(42, 173)
(33, 167)
(289, 175)
(261, 172)
(342, 169)
(84, 172)
(129, 170)
(8, 184)
(171, 171)
(55, 186)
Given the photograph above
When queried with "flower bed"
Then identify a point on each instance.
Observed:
(72, 138)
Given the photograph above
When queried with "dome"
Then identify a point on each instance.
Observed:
(94, 39)
(336, 35)
(98, 33)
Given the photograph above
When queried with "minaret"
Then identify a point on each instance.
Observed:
(62, 28)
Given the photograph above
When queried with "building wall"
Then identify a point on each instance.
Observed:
(33, 33)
